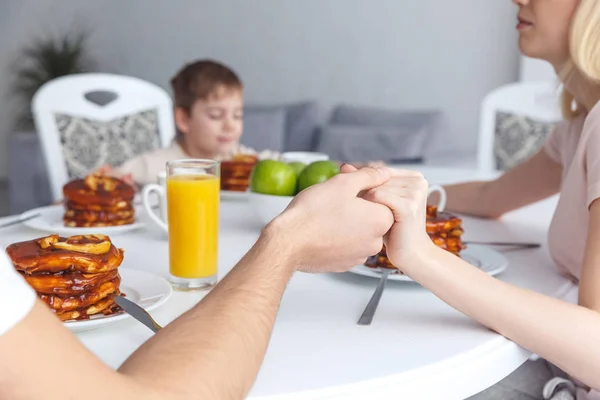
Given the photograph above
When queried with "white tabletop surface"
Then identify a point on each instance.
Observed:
(417, 345)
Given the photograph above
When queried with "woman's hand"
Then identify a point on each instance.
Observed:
(405, 194)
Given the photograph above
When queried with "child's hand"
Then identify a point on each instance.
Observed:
(107, 170)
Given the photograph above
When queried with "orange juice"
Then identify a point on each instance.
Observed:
(193, 218)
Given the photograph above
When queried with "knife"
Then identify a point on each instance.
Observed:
(137, 312)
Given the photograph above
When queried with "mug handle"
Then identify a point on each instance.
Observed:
(443, 197)
(148, 189)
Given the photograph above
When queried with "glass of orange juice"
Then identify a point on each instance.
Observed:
(193, 223)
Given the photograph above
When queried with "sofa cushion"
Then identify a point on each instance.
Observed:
(369, 116)
(302, 126)
(89, 144)
(517, 138)
(264, 128)
(368, 143)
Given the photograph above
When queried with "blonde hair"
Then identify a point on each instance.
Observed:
(585, 52)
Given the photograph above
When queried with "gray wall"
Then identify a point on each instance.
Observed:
(391, 53)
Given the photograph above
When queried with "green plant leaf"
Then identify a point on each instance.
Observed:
(45, 59)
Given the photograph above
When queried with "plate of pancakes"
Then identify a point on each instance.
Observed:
(235, 176)
(485, 258)
(51, 219)
(147, 290)
(78, 276)
(96, 201)
(445, 230)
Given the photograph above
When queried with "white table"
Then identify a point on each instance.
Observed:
(417, 347)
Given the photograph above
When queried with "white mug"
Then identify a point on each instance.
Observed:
(441, 205)
(161, 191)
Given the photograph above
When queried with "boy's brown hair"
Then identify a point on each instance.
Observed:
(201, 80)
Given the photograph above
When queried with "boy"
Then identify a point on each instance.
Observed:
(208, 100)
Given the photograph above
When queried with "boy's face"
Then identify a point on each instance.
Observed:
(213, 126)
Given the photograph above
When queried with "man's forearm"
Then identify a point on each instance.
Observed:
(224, 337)
(544, 325)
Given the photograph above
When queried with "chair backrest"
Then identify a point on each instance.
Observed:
(93, 108)
(539, 101)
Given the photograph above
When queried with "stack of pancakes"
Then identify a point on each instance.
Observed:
(97, 201)
(235, 173)
(443, 228)
(77, 276)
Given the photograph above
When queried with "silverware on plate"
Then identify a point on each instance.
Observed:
(367, 316)
(138, 313)
(20, 220)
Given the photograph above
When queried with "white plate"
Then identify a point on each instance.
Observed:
(50, 220)
(231, 195)
(483, 257)
(147, 290)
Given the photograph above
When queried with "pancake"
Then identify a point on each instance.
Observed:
(68, 284)
(105, 306)
(31, 258)
(99, 190)
(90, 297)
(74, 223)
(443, 224)
(235, 173)
(71, 205)
(76, 277)
(444, 229)
(98, 216)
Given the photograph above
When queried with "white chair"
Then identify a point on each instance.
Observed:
(73, 95)
(539, 101)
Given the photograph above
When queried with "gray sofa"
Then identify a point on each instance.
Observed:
(347, 133)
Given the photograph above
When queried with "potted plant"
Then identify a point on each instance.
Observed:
(45, 59)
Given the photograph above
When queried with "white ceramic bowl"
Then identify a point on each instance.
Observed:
(267, 206)
(306, 157)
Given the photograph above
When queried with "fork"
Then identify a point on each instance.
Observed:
(367, 316)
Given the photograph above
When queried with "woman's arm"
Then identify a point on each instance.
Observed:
(532, 181)
(565, 334)
(589, 282)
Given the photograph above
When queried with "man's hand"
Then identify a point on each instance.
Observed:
(330, 228)
(405, 194)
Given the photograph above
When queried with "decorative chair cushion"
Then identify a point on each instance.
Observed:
(517, 138)
(89, 144)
